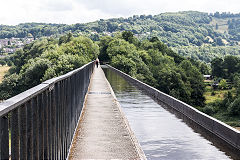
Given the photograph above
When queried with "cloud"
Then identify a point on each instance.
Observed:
(130, 7)
(59, 6)
(113, 7)
(79, 11)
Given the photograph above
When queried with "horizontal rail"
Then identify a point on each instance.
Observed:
(12, 103)
(41, 121)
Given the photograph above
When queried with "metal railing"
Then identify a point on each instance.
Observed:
(41, 121)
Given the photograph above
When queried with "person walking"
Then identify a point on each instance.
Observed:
(97, 62)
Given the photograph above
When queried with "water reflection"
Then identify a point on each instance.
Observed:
(161, 134)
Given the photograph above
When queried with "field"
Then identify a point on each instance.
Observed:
(222, 24)
(214, 95)
(3, 70)
(218, 94)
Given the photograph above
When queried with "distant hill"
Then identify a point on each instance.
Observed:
(177, 30)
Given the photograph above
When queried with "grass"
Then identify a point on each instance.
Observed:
(221, 115)
(219, 94)
(3, 70)
(222, 24)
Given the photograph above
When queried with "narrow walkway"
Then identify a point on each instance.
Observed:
(103, 131)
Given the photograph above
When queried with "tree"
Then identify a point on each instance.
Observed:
(204, 69)
(44, 59)
(216, 27)
(103, 45)
(2, 62)
(195, 80)
(231, 65)
(10, 86)
(121, 47)
(127, 36)
(65, 38)
(219, 41)
(234, 108)
(222, 84)
(217, 67)
(236, 83)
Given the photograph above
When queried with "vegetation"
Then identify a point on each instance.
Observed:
(223, 101)
(44, 59)
(153, 62)
(149, 48)
(216, 32)
(3, 70)
(150, 61)
(213, 95)
(227, 68)
(207, 53)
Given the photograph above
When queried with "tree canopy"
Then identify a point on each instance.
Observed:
(45, 59)
(153, 62)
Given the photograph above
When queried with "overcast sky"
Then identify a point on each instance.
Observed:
(13, 12)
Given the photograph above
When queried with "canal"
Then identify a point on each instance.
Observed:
(161, 134)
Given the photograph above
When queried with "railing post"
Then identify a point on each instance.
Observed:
(46, 121)
(72, 106)
(68, 112)
(81, 97)
(64, 119)
(4, 138)
(75, 101)
(14, 135)
(35, 128)
(54, 132)
(59, 120)
(58, 105)
(23, 132)
(41, 125)
(29, 130)
(50, 130)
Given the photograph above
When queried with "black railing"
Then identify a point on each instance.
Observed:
(41, 121)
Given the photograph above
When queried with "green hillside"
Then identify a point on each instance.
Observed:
(177, 30)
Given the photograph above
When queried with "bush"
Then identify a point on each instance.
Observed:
(234, 108)
(210, 110)
(2, 62)
(213, 93)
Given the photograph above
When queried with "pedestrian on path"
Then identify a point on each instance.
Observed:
(97, 62)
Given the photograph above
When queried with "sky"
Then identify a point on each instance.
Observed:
(13, 12)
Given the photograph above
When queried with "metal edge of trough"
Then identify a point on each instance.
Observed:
(136, 143)
(71, 147)
(231, 135)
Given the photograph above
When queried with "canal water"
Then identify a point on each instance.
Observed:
(161, 134)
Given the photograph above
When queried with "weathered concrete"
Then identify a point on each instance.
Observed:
(103, 131)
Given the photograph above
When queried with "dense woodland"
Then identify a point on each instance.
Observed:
(191, 28)
(153, 62)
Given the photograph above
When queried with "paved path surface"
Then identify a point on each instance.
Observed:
(103, 131)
